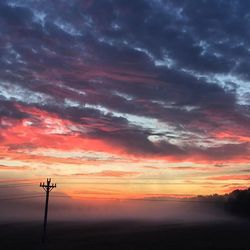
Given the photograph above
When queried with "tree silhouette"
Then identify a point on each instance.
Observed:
(238, 202)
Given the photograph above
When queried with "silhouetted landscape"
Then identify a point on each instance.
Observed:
(204, 222)
(127, 235)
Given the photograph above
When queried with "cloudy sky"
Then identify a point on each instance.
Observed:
(118, 98)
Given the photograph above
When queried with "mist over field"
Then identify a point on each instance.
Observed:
(68, 209)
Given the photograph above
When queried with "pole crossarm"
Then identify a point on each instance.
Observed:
(48, 186)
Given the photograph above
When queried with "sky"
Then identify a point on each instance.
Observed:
(125, 99)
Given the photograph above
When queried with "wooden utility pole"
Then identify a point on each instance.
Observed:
(47, 188)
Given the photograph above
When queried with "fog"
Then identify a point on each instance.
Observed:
(68, 209)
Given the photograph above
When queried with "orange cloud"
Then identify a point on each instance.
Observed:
(11, 168)
(229, 177)
(151, 167)
(234, 187)
(109, 173)
(184, 168)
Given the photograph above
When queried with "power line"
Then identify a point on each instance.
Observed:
(15, 185)
(17, 182)
(21, 198)
(22, 194)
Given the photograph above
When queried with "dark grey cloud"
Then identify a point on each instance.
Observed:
(183, 64)
(8, 109)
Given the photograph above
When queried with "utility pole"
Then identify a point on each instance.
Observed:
(47, 188)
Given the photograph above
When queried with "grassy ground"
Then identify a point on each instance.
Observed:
(126, 235)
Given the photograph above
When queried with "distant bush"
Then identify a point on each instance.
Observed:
(238, 202)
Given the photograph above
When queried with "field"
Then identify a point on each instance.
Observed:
(127, 235)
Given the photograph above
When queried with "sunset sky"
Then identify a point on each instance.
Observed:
(125, 99)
